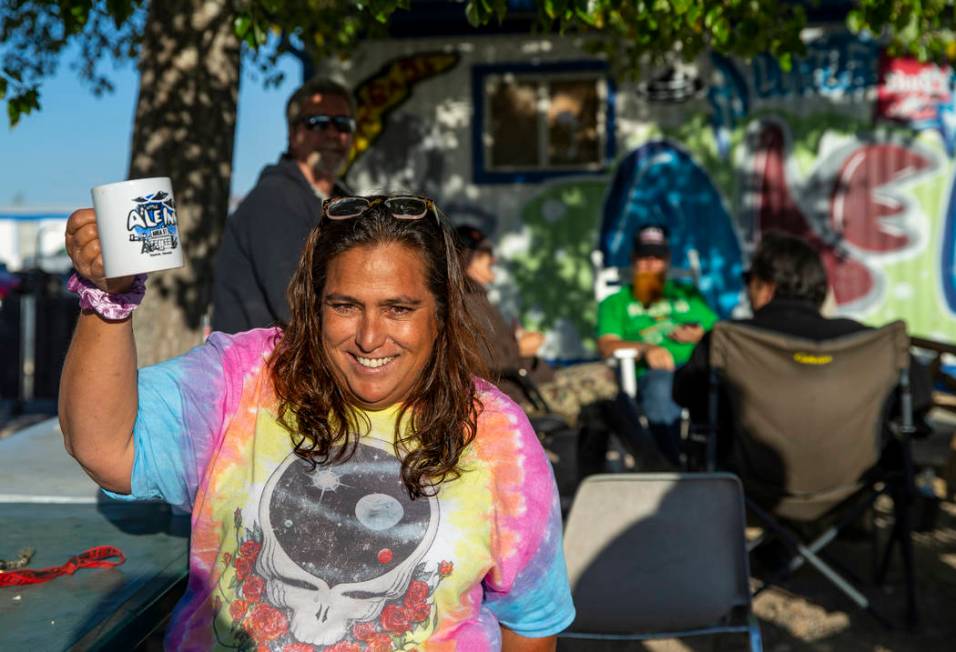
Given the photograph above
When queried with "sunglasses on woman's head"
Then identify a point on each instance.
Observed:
(401, 207)
(342, 123)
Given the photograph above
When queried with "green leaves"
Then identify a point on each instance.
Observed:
(473, 14)
(855, 21)
(34, 35)
(632, 34)
(786, 61)
(120, 10)
(920, 28)
(555, 8)
(250, 29)
(480, 12)
(682, 6)
(243, 28)
(629, 33)
(22, 104)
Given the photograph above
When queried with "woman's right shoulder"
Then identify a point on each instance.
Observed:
(245, 349)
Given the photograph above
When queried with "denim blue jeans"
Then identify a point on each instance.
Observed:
(663, 415)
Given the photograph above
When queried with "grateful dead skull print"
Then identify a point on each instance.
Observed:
(339, 542)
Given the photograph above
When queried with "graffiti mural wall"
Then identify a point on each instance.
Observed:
(850, 149)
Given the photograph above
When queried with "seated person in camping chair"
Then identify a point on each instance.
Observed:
(512, 351)
(803, 415)
(786, 286)
(662, 320)
(552, 398)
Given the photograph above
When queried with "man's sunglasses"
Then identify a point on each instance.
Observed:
(342, 123)
(401, 207)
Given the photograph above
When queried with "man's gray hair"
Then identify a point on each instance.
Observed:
(315, 86)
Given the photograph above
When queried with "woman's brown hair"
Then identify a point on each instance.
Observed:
(442, 409)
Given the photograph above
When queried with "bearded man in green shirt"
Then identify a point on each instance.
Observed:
(662, 320)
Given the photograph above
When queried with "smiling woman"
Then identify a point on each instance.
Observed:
(354, 483)
(378, 319)
(380, 322)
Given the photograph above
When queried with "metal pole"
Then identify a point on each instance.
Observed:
(28, 314)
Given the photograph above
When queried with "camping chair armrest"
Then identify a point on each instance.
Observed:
(626, 362)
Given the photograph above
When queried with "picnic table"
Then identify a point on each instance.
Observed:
(49, 504)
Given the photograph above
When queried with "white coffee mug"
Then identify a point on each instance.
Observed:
(137, 224)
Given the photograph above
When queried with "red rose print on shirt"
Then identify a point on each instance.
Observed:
(343, 646)
(250, 549)
(417, 592)
(238, 609)
(363, 631)
(298, 647)
(267, 622)
(419, 612)
(379, 643)
(244, 567)
(394, 619)
(253, 587)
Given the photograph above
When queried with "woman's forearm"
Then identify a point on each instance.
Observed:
(98, 400)
(608, 344)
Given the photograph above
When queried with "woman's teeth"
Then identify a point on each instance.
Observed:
(373, 363)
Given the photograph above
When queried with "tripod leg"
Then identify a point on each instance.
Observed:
(905, 534)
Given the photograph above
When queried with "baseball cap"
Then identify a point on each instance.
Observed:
(651, 240)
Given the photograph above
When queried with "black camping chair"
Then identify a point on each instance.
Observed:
(807, 437)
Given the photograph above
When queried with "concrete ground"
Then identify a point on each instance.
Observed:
(15, 417)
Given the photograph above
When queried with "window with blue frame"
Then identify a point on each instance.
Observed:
(533, 122)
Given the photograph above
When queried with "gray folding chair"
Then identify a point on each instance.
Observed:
(659, 555)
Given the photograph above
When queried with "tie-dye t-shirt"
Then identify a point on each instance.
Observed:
(339, 558)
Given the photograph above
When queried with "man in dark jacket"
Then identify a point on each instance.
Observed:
(786, 286)
(264, 237)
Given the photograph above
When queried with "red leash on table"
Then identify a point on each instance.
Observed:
(97, 557)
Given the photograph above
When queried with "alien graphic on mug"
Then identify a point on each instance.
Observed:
(153, 222)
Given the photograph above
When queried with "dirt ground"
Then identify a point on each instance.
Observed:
(808, 614)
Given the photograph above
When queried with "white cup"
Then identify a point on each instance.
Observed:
(137, 224)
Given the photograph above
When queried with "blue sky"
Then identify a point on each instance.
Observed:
(52, 158)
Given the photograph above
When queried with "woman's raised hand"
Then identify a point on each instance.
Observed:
(83, 246)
